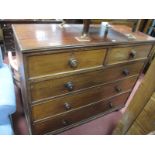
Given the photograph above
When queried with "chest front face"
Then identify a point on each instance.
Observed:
(66, 83)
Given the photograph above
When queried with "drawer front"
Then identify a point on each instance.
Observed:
(79, 99)
(119, 55)
(39, 65)
(76, 116)
(65, 85)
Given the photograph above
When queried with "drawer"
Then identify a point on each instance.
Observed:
(58, 86)
(79, 99)
(70, 118)
(124, 54)
(39, 65)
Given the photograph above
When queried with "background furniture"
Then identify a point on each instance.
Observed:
(8, 37)
(139, 116)
(66, 82)
(7, 33)
(151, 30)
(1, 41)
(7, 98)
(133, 23)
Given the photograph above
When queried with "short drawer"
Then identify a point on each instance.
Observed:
(124, 54)
(76, 116)
(39, 65)
(79, 99)
(58, 86)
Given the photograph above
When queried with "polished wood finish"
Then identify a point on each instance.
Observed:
(139, 36)
(52, 36)
(126, 54)
(61, 62)
(54, 87)
(82, 98)
(66, 82)
(75, 116)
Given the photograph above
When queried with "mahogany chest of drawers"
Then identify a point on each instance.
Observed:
(66, 82)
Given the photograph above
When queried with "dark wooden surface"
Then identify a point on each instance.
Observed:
(72, 117)
(56, 87)
(43, 54)
(36, 36)
(126, 54)
(80, 99)
(39, 65)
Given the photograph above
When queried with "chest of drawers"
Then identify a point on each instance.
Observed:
(66, 82)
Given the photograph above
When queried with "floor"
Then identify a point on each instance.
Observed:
(101, 126)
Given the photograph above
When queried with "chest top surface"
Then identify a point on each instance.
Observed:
(49, 36)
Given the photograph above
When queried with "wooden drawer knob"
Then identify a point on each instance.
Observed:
(73, 63)
(132, 54)
(118, 89)
(126, 72)
(69, 86)
(65, 122)
(67, 106)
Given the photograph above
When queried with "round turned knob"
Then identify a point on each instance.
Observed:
(65, 122)
(67, 106)
(125, 72)
(73, 63)
(118, 89)
(132, 54)
(69, 86)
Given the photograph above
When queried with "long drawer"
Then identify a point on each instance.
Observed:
(79, 99)
(78, 115)
(125, 54)
(39, 65)
(58, 86)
